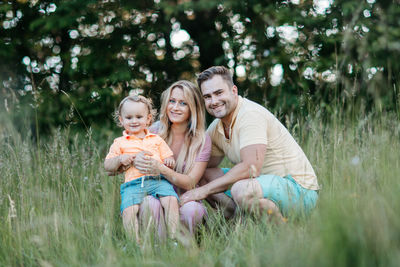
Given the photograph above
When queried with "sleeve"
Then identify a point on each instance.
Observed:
(205, 153)
(115, 150)
(253, 129)
(164, 149)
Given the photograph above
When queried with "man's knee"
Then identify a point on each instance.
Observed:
(245, 191)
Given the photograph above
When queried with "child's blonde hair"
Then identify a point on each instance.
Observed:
(136, 98)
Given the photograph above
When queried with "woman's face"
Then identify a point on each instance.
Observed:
(178, 108)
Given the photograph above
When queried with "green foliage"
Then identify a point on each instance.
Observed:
(97, 51)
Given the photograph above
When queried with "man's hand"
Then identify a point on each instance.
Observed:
(199, 193)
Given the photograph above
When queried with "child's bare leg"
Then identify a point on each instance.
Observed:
(171, 211)
(130, 221)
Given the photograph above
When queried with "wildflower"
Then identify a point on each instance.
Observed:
(253, 171)
(355, 160)
(12, 212)
(6, 105)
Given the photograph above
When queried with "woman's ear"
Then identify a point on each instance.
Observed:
(120, 119)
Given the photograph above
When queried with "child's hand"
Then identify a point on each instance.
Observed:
(169, 162)
(126, 159)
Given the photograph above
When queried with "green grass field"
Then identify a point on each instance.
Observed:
(59, 208)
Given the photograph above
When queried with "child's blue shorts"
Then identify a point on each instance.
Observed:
(132, 192)
(286, 193)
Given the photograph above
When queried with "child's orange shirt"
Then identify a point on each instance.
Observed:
(130, 144)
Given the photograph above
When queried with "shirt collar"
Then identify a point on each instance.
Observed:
(128, 137)
(234, 116)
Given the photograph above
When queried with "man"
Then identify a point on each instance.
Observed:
(271, 173)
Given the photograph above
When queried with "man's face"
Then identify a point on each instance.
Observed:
(220, 97)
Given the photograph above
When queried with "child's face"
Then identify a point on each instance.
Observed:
(135, 117)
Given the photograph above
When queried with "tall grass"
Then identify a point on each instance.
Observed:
(59, 208)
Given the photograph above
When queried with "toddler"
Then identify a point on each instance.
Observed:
(135, 114)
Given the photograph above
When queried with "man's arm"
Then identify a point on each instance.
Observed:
(252, 160)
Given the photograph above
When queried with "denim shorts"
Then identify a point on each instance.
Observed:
(133, 192)
(286, 193)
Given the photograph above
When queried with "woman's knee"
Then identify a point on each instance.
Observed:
(152, 205)
(192, 213)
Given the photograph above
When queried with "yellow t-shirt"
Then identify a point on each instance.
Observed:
(130, 144)
(253, 124)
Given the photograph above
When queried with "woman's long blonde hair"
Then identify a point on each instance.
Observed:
(195, 135)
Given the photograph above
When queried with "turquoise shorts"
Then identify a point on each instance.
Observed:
(133, 192)
(286, 193)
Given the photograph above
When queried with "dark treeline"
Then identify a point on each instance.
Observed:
(73, 61)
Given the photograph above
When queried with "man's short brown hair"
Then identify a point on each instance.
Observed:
(212, 71)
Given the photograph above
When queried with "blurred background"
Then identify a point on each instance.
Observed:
(329, 70)
(69, 63)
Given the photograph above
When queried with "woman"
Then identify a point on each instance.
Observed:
(182, 126)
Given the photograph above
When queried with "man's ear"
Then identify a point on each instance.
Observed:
(235, 89)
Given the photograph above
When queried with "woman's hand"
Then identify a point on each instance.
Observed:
(145, 164)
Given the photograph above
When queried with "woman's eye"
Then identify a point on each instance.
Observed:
(172, 101)
(183, 103)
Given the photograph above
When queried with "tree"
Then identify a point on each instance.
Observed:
(74, 60)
